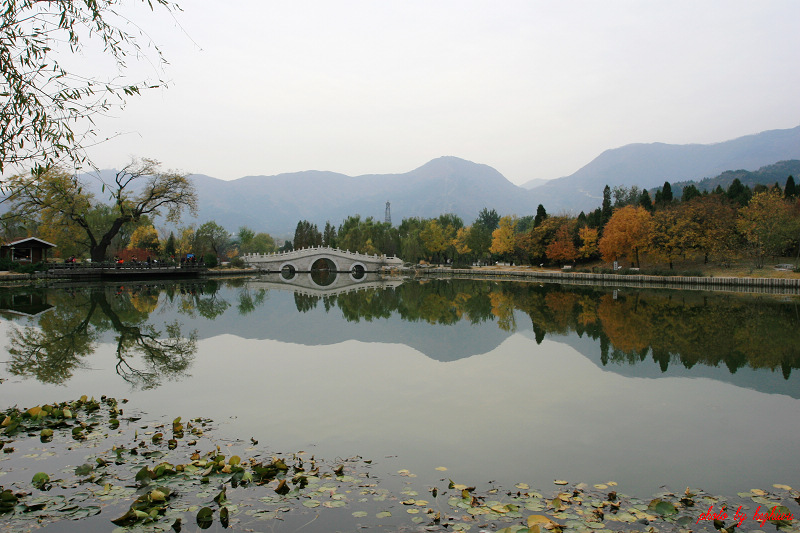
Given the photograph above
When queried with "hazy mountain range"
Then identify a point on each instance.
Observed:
(451, 185)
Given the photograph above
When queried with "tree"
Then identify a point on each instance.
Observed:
(503, 236)
(488, 219)
(434, 239)
(541, 215)
(562, 248)
(667, 236)
(645, 200)
(690, 192)
(589, 237)
(738, 192)
(768, 225)
(170, 246)
(306, 235)
(626, 234)
(212, 237)
(139, 190)
(606, 209)
(329, 235)
(790, 190)
(41, 101)
(145, 237)
(664, 195)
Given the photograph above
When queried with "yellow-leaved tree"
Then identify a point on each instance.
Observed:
(503, 237)
(626, 234)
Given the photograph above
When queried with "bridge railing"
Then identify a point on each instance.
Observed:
(272, 255)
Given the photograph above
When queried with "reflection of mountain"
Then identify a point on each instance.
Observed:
(281, 321)
(762, 380)
(744, 340)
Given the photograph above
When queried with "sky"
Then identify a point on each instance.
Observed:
(534, 89)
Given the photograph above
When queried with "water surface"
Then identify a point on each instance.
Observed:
(498, 382)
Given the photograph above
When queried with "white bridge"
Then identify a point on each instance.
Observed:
(321, 258)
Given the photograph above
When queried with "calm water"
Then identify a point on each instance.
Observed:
(504, 382)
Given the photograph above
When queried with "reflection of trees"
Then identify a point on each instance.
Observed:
(201, 299)
(51, 352)
(667, 327)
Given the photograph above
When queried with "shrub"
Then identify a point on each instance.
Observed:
(210, 260)
(237, 262)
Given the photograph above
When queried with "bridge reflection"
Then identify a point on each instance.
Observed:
(325, 282)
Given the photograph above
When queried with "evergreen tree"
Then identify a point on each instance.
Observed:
(606, 210)
(329, 235)
(689, 192)
(739, 193)
(169, 246)
(791, 189)
(541, 215)
(645, 201)
(664, 195)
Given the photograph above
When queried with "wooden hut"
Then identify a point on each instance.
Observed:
(30, 250)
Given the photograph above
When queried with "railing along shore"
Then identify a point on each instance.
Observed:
(733, 284)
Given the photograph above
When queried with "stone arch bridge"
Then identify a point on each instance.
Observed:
(321, 258)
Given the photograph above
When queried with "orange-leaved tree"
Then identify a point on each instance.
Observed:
(626, 234)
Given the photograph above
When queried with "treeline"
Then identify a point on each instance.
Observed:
(720, 225)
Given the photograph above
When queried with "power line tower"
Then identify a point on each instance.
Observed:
(388, 218)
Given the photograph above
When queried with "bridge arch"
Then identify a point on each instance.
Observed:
(288, 271)
(358, 271)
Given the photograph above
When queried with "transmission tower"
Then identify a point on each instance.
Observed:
(388, 218)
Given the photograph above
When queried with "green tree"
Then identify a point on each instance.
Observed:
(41, 101)
(306, 235)
(606, 210)
(170, 247)
(540, 217)
(664, 195)
(60, 197)
(645, 201)
(738, 192)
(489, 219)
(690, 192)
(211, 237)
(790, 190)
(329, 237)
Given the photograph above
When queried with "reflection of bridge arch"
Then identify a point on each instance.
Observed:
(303, 260)
(303, 283)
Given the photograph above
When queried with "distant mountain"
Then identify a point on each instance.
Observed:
(650, 165)
(768, 175)
(451, 185)
(535, 182)
(276, 203)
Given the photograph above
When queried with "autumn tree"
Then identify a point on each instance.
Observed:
(503, 237)
(41, 102)
(433, 238)
(768, 225)
(589, 237)
(667, 237)
(626, 234)
(708, 224)
(139, 190)
(562, 248)
(146, 238)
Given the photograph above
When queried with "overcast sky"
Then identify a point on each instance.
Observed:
(533, 89)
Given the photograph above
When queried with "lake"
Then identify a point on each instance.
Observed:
(498, 382)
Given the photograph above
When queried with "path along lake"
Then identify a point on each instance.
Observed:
(498, 382)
